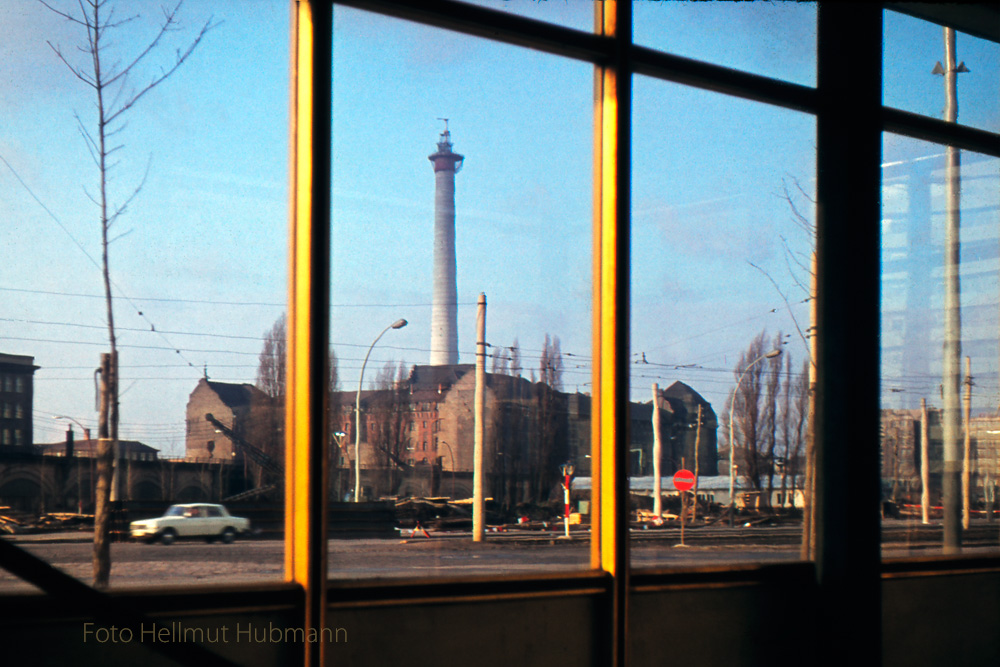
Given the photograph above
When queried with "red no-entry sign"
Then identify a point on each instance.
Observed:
(683, 480)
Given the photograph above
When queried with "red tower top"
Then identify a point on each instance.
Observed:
(445, 159)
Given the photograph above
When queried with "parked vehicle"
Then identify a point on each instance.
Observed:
(207, 521)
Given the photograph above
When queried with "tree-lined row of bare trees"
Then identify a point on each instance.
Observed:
(529, 425)
(770, 418)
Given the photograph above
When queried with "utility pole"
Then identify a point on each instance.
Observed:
(807, 548)
(925, 468)
(102, 511)
(478, 509)
(697, 449)
(967, 449)
(951, 360)
(657, 450)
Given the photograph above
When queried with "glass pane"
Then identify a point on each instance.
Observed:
(914, 59)
(578, 15)
(775, 39)
(722, 238)
(197, 267)
(502, 207)
(939, 348)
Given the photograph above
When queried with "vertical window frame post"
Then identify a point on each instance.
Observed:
(848, 156)
(610, 416)
(308, 318)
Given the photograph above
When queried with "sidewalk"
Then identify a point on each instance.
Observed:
(51, 537)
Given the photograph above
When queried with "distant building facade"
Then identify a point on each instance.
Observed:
(129, 450)
(17, 390)
(240, 407)
(901, 455)
(681, 434)
(424, 427)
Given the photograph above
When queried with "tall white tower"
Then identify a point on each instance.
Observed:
(444, 312)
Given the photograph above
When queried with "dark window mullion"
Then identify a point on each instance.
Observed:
(938, 131)
(496, 25)
(847, 328)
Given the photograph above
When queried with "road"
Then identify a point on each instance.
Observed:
(137, 564)
(256, 560)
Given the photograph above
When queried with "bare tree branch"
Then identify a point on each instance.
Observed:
(181, 57)
(95, 47)
(788, 305)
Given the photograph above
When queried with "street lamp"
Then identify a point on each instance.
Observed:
(86, 431)
(398, 324)
(79, 488)
(732, 449)
(452, 455)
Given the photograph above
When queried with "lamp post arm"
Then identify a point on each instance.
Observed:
(357, 417)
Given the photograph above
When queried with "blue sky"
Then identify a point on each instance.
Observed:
(207, 255)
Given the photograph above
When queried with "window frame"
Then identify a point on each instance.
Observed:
(850, 117)
(847, 572)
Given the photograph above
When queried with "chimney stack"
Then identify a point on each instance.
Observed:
(444, 311)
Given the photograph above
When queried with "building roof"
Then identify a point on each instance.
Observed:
(124, 446)
(233, 395)
(18, 362)
(680, 391)
(432, 377)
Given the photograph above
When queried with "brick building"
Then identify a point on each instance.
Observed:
(17, 389)
(241, 407)
(424, 426)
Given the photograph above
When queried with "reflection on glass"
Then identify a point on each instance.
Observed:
(939, 352)
(197, 187)
(722, 238)
(453, 177)
(775, 39)
(914, 60)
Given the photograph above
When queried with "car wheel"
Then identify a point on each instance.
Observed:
(169, 536)
(228, 535)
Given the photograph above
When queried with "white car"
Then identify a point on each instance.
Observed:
(203, 520)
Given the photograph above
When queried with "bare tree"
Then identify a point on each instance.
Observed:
(510, 430)
(794, 414)
(110, 77)
(801, 269)
(550, 448)
(772, 372)
(271, 363)
(389, 433)
(748, 407)
(515, 359)
(266, 428)
(500, 364)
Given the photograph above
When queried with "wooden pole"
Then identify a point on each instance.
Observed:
(657, 455)
(925, 468)
(478, 509)
(967, 448)
(102, 511)
(697, 449)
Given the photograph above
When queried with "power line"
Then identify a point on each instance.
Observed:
(211, 302)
